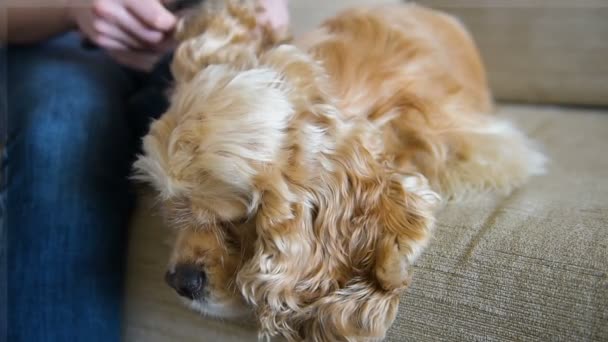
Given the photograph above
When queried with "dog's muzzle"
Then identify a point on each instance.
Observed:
(187, 280)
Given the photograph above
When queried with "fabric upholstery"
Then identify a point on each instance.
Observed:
(549, 51)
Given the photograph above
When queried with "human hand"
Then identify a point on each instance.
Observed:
(274, 13)
(132, 31)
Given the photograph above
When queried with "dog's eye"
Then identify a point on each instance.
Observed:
(230, 225)
(235, 233)
(231, 239)
(233, 243)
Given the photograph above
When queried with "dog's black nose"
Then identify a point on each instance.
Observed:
(187, 280)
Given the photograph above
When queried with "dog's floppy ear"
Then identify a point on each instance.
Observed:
(217, 32)
(331, 258)
(221, 32)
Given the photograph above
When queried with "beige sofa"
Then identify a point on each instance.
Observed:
(528, 267)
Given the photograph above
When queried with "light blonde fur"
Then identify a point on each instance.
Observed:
(305, 177)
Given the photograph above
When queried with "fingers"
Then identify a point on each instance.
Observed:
(152, 13)
(274, 13)
(121, 40)
(110, 44)
(137, 25)
(119, 16)
(97, 30)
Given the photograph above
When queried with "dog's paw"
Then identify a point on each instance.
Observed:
(408, 218)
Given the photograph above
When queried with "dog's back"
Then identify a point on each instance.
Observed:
(416, 74)
(370, 53)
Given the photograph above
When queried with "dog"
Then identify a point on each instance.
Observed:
(302, 179)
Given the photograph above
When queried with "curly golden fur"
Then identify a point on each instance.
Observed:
(303, 178)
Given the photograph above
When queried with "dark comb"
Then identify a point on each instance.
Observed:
(178, 5)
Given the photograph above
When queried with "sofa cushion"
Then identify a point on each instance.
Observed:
(549, 51)
(531, 266)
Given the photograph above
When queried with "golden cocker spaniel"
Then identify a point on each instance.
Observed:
(302, 179)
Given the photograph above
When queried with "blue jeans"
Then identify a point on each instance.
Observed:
(74, 120)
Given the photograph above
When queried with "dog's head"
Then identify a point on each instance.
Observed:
(203, 157)
(279, 203)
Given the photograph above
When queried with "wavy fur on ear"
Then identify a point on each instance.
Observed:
(221, 32)
(334, 265)
(322, 164)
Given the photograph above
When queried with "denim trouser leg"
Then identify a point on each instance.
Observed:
(68, 198)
